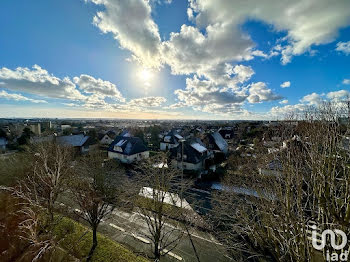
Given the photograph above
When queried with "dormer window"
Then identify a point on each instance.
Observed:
(118, 148)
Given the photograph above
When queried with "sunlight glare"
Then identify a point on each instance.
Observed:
(146, 75)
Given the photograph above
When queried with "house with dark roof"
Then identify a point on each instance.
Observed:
(80, 143)
(128, 149)
(227, 133)
(42, 139)
(195, 155)
(111, 133)
(125, 133)
(104, 139)
(216, 143)
(170, 140)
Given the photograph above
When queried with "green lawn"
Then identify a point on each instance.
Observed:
(77, 240)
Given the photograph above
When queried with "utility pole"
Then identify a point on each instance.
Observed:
(181, 197)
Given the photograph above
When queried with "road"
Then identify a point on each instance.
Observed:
(130, 229)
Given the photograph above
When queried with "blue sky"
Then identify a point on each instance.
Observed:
(161, 59)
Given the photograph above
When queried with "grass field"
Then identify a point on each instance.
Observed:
(76, 239)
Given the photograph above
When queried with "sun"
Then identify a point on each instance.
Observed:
(146, 75)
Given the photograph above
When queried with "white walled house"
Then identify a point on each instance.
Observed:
(216, 143)
(105, 139)
(170, 140)
(128, 149)
(195, 155)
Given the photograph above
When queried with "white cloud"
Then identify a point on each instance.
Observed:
(217, 37)
(98, 86)
(176, 105)
(307, 23)
(70, 104)
(346, 81)
(203, 94)
(243, 73)
(190, 14)
(282, 111)
(152, 101)
(312, 99)
(223, 95)
(309, 100)
(191, 51)
(227, 76)
(39, 82)
(159, 2)
(285, 101)
(285, 84)
(339, 95)
(131, 24)
(343, 47)
(225, 109)
(210, 48)
(18, 97)
(258, 92)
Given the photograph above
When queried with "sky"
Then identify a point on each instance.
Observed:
(172, 59)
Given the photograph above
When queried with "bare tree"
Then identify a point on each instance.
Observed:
(52, 168)
(37, 193)
(96, 192)
(160, 205)
(273, 216)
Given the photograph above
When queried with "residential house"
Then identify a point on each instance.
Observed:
(216, 143)
(170, 140)
(195, 155)
(80, 143)
(65, 127)
(105, 139)
(125, 133)
(226, 133)
(111, 133)
(128, 149)
(43, 139)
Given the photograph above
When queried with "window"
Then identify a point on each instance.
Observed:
(118, 148)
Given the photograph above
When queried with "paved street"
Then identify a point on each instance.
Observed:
(131, 230)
